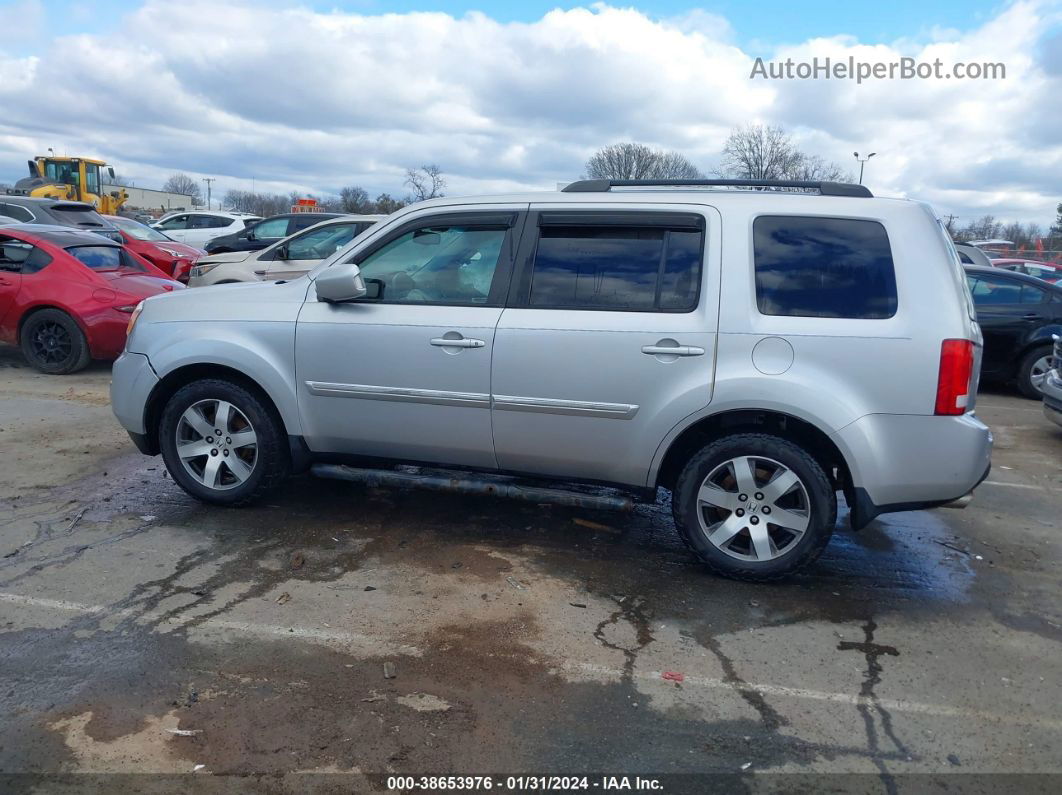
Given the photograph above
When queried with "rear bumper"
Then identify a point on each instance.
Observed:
(910, 462)
(132, 380)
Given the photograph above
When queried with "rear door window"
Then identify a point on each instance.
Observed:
(641, 265)
(177, 222)
(808, 266)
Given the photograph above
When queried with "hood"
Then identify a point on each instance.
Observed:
(137, 284)
(232, 256)
(186, 251)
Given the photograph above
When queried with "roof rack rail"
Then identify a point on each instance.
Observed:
(824, 188)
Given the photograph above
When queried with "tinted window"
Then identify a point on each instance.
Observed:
(77, 215)
(16, 212)
(823, 267)
(437, 264)
(13, 254)
(617, 268)
(104, 258)
(208, 222)
(990, 290)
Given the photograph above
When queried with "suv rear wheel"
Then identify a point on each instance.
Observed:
(222, 443)
(754, 506)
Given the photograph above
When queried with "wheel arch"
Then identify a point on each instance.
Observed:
(752, 420)
(34, 309)
(170, 383)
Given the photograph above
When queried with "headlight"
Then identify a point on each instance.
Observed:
(132, 318)
(203, 270)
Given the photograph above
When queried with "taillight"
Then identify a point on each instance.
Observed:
(953, 382)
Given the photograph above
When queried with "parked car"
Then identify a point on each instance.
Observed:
(173, 258)
(66, 296)
(263, 233)
(1017, 314)
(972, 255)
(197, 228)
(610, 333)
(57, 212)
(285, 259)
(1044, 271)
(1052, 385)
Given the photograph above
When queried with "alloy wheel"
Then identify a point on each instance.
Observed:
(1039, 372)
(753, 508)
(217, 444)
(51, 343)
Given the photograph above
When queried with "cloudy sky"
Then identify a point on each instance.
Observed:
(512, 95)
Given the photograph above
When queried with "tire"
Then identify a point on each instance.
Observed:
(252, 452)
(53, 343)
(809, 503)
(1031, 371)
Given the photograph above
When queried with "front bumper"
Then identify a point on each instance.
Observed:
(132, 381)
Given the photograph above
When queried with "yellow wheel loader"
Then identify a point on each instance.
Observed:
(74, 179)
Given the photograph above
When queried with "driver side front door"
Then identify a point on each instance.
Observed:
(406, 375)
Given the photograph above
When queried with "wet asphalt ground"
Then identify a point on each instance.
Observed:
(364, 632)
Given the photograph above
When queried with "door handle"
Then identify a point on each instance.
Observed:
(677, 350)
(1031, 316)
(442, 342)
(5, 282)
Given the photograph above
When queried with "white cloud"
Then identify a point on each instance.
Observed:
(313, 101)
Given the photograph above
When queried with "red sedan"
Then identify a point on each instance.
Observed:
(166, 254)
(1047, 271)
(66, 295)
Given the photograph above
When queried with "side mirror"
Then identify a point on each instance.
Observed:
(341, 282)
(110, 171)
(280, 252)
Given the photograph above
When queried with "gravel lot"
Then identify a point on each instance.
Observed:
(520, 638)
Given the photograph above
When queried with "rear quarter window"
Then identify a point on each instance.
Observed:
(105, 258)
(809, 266)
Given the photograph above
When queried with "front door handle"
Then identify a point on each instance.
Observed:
(442, 342)
(676, 350)
(1031, 316)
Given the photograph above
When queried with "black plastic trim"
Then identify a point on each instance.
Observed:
(143, 443)
(862, 510)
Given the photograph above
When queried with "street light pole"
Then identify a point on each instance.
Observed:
(208, 181)
(862, 162)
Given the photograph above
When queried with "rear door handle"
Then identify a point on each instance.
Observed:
(1031, 316)
(678, 350)
(442, 342)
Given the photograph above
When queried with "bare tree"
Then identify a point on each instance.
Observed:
(355, 199)
(638, 161)
(759, 152)
(184, 185)
(815, 169)
(119, 180)
(426, 182)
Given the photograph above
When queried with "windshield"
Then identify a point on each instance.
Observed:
(105, 258)
(138, 231)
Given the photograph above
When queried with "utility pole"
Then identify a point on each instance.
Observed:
(209, 180)
(862, 162)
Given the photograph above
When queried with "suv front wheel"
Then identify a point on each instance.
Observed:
(754, 506)
(222, 443)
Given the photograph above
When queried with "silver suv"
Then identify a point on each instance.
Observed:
(755, 348)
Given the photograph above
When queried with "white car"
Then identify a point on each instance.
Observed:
(286, 259)
(199, 227)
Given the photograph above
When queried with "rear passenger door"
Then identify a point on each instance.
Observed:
(607, 340)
